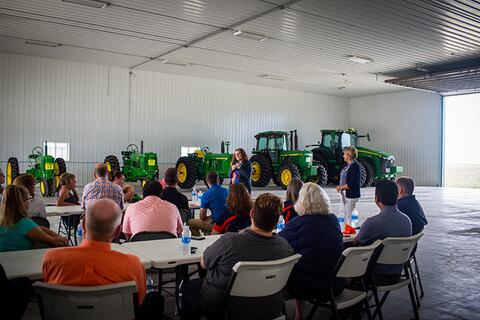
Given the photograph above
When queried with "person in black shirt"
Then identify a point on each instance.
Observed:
(409, 205)
(171, 193)
(350, 182)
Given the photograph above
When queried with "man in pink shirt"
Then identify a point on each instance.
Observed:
(152, 213)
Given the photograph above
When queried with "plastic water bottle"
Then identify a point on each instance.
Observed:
(150, 284)
(341, 220)
(186, 240)
(194, 195)
(355, 218)
(79, 233)
(280, 224)
(200, 194)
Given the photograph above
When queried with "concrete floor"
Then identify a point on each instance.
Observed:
(448, 256)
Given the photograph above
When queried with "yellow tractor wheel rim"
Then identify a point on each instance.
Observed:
(286, 177)
(182, 173)
(256, 170)
(109, 168)
(57, 181)
(144, 182)
(42, 187)
(56, 169)
(315, 180)
(9, 174)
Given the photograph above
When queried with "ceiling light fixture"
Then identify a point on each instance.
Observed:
(175, 63)
(362, 60)
(90, 3)
(42, 43)
(273, 77)
(250, 35)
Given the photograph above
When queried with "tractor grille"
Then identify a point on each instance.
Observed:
(386, 163)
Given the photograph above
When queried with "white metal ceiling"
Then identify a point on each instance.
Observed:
(308, 46)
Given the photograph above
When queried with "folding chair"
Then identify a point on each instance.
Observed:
(396, 251)
(113, 301)
(415, 273)
(353, 263)
(68, 227)
(151, 235)
(255, 289)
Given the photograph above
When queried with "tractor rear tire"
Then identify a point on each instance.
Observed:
(261, 170)
(112, 164)
(13, 170)
(322, 175)
(369, 173)
(44, 188)
(187, 172)
(59, 169)
(287, 172)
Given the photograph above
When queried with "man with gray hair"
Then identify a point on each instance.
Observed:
(95, 263)
(101, 188)
(408, 204)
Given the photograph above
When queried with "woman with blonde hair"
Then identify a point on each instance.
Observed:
(17, 230)
(293, 190)
(316, 235)
(350, 182)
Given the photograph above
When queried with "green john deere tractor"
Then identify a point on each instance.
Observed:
(273, 159)
(44, 168)
(137, 165)
(375, 165)
(195, 166)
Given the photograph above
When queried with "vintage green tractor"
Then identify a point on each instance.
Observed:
(273, 159)
(137, 165)
(195, 166)
(43, 167)
(375, 165)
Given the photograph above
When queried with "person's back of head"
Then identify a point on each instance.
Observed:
(13, 207)
(239, 200)
(406, 184)
(152, 188)
(26, 180)
(171, 177)
(117, 175)
(102, 220)
(386, 192)
(267, 208)
(101, 170)
(212, 178)
(312, 200)
(293, 189)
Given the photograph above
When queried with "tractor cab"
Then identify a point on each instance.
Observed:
(271, 143)
(336, 140)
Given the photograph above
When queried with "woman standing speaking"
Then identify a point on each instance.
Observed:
(350, 181)
(241, 169)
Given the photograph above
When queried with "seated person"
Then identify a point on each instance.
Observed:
(205, 296)
(95, 263)
(17, 230)
(390, 222)
(237, 215)
(118, 179)
(101, 188)
(68, 196)
(129, 194)
(36, 207)
(171, 193)
(409, 205)
(152, 213)
(316, 235)
(293, 189)
(14, 295)
(2, 181)
(215, 199)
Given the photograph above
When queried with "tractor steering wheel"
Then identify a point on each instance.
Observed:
(204, 149)
(37, 150)
(132, 147)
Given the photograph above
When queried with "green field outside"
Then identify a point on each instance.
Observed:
(462, 175)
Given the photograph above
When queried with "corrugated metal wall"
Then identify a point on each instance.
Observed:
(88, 106)
(407, 124)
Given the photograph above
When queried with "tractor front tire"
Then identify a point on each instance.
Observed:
(187, 172)
(112, 164)
(322, 176)
(287, 172)
(13, 170)
(261, 170)
(59, 169)
(369, 173)
(44, 187)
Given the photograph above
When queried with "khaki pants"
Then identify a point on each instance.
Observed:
(199, 224)
(349, 205)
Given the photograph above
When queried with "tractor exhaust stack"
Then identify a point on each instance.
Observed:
(222, 147)
(293, 140)
(45, 148)
(141, 147)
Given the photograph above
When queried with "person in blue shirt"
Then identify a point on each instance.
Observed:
(241, 169)
(316, 235)
(350, 182)
(409, 205)
(215, 200)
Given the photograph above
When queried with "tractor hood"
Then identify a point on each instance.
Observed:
(372, 152)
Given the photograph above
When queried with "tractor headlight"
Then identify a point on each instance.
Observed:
(308, 159)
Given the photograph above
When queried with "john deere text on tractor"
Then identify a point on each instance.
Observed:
(43, 167)
(195, 166)
(273, 159)
(137, 165)
(375, 165)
